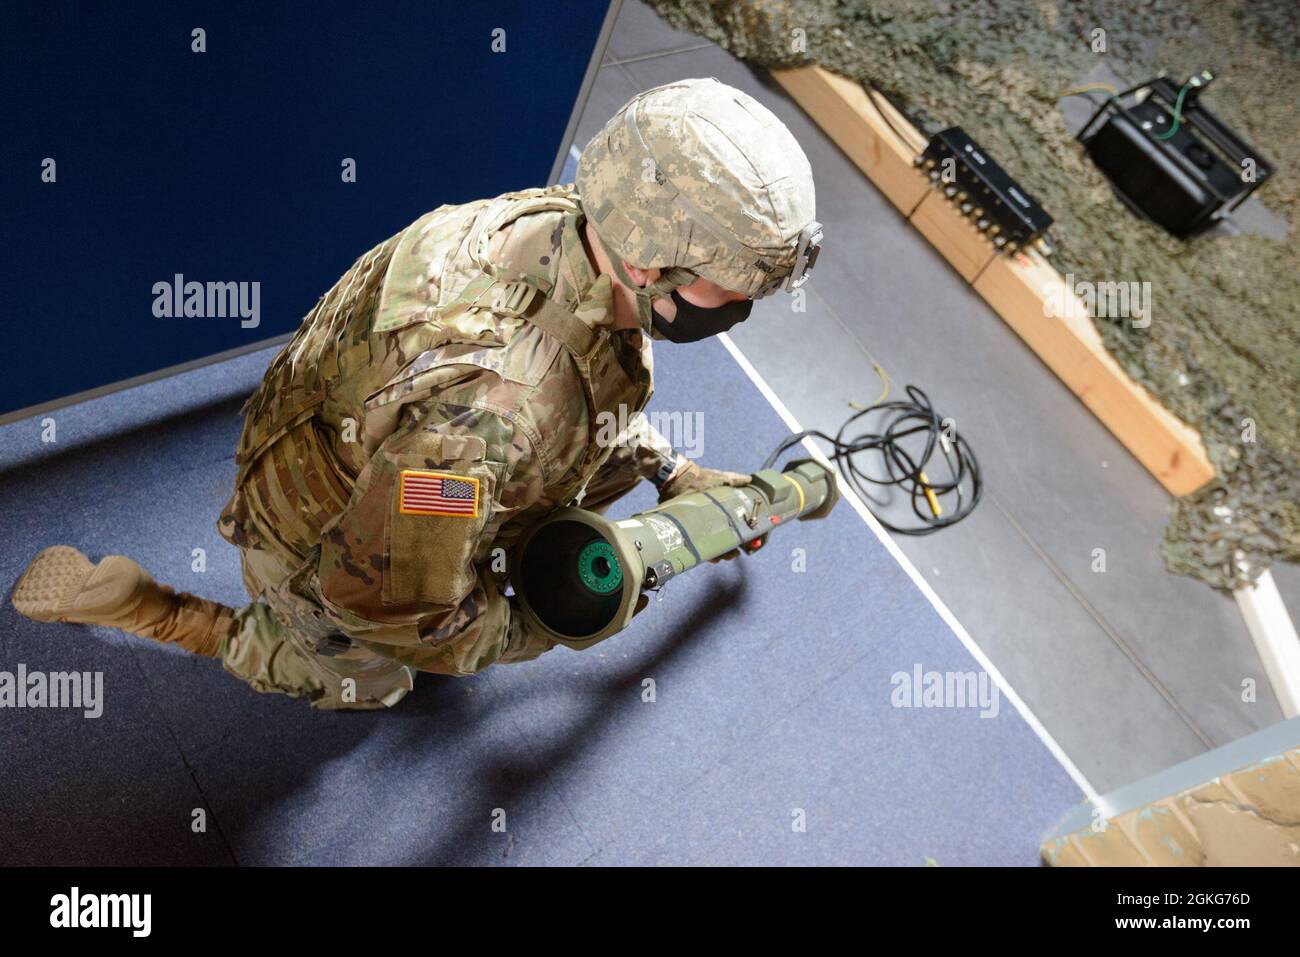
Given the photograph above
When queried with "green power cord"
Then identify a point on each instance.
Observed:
(1178, 112)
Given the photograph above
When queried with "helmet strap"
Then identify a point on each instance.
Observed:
(670, 278)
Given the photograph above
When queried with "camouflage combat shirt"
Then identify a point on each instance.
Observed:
(441, 398)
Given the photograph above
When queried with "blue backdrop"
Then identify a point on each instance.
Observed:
(226, 166)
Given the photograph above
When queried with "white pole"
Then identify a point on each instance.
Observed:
(1275, 639)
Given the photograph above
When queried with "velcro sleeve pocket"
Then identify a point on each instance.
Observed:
(440, 502)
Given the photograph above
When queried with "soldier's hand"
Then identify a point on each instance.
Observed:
(690, 477)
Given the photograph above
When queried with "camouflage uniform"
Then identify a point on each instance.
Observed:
(475, 345)
(451, 390)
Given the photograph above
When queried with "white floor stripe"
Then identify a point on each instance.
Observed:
(949, 618)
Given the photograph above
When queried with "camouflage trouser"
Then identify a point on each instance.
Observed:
(278, 641)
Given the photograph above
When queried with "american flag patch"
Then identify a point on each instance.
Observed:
(435, 493)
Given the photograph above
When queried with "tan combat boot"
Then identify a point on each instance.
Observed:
(61, 584)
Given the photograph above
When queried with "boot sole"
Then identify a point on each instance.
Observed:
(62, 584)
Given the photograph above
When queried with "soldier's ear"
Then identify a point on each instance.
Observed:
(642, 277)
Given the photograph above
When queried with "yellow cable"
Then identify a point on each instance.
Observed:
(1088, 88)
(884, 393)
(930, 496)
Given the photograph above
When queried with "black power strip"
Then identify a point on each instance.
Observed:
(983, 191)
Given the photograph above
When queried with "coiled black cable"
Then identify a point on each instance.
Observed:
(956, 494)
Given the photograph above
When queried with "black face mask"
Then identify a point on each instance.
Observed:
(694, 323)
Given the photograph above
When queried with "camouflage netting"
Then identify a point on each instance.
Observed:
(1224, 345)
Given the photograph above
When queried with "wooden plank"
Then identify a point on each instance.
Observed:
(953, 235)
(849, 116)
(1025, 290)
(1034, 299)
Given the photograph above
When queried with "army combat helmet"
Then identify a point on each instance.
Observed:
(699, 179)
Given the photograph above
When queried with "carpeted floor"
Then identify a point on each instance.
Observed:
(772, 693)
